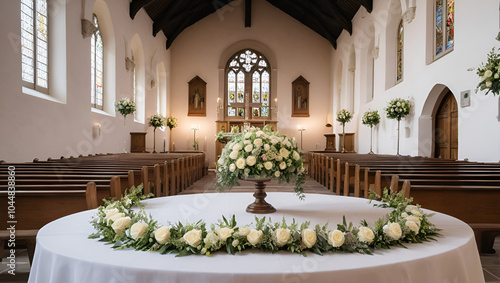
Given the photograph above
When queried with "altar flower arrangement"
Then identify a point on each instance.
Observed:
(371, 118)
(489, 72)
(125, 107)
(117, 223)
(171, 122)
(261, 154)
(156, 121)
(343, 116)
(398, 108)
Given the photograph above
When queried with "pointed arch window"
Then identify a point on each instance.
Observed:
(399, 61)
(247, 86)
(97, 67)
(34, 44)
(444, 27)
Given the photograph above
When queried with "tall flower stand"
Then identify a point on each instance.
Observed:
(125, 141)
(260, 206)
(398, 139)
(171, 144)
(154, 140)
(343, 138)
(371, 139)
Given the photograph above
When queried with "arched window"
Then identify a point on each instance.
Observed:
(247, 86)
(444, 26)
(97, 63)
(34, 40)
(399, 61)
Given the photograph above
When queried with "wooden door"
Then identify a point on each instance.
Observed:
(446, 129)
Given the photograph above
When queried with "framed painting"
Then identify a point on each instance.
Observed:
(300, 97)
(197, 97)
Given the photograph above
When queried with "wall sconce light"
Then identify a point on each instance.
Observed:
(301, 129)
(96, 130)
(129, 64)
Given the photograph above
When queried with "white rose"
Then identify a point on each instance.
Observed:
(257, 142)
(244, 231)
(248, 148)
(309, 237)
(248, 135)
(236, 243)
(392, 110)
(414, 219)
(398, 104)
(488, 84)
(254, 237)
(259, 133)
(393, 231)
(233, 154)
(410, 207)
(237, 147)
(247, 142)
(114, 217)
(232, 167)
(296, 155)
(138, 229)
(336, 238)
(277, 174)
(496, 76)
(284, 152)
(251, 160)
(365, 234)
(488, 73)
(121, 224)
(283, 165)
(240, 163)
(281, 236)
(162, 235)
(211, 239)
(111, 212)
(279, 158)
(203, 251)
(412, 226)
(225, 233)
(416, 212)
(193, 237)
(268, 165)
(267, 147)
(404, 214)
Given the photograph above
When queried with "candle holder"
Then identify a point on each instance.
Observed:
(195, 143)
(301, 130)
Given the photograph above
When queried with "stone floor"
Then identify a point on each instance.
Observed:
(490, 262)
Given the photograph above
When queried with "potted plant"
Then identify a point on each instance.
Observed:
(156, 121)
(371, 119)
(344, 116)
(398, 108)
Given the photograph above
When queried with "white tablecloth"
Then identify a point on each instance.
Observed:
(64, 254)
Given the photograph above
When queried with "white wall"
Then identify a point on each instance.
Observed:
(34, 127)
(479, 129)
(298, 51)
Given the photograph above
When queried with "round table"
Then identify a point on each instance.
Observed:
(65, 254)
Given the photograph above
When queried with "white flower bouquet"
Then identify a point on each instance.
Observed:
(489, 72)
(344, 116)
(125, 107)
(371, 118)
(398, 108)
(171, 122)
(260, 154)
(156, 121)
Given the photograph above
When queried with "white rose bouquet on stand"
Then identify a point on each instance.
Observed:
(398, 108)
(343, 116)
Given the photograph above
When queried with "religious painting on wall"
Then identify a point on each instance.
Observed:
(300, 97)
(197, 97)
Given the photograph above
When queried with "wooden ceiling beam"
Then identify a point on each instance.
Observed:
(337, 12)
(175, 8)
(189, 20)
(136, 5)
(248, 13)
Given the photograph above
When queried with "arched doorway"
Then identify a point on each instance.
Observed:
(446, 128)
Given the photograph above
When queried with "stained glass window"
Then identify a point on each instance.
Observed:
(34, 44)
(444, 27)
(248, 85)
(399, 61)
(97, 63)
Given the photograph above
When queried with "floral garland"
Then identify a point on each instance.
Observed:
(116, 223)
(261, 154)
(344, 116)
(125, 106)
(371, 118)
(156, 121)
(398, 108)
(489, 72)
(171, 122)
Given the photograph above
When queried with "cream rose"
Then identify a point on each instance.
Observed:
(162, 234)
(193, 237)
(268, 165)
(251, 160)
(283, 165)
(211, 239)
(416, 212)
(233, 154)
(488, 73)
(254, 237)
(365, 234)
(236, 243)
(296, 155)
(284, 152)
(240, 163)
(248, 135)
(281, 236)
(257, 142)
(138, 229)
(111, 212)
(336, 238)
(237, 147)
(225, 233)
(309, 238)
(277, 174)
(248, 148)
(115, 216)
(267, 147)
(121, 224)
(411, 207)
(414, 219)
(412, 226)
(393, 231)
(259, 133)
(232, 167)
(279, 158)
(244, 231)
(247, 142)
(489, 84)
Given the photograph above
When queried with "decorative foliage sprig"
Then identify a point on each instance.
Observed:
(398, 108)
(262, 154)
(116, 223)
(489, 72)
(171, 122)
(125, 106)
(371, 118)
(156, 121)
(344, 116)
